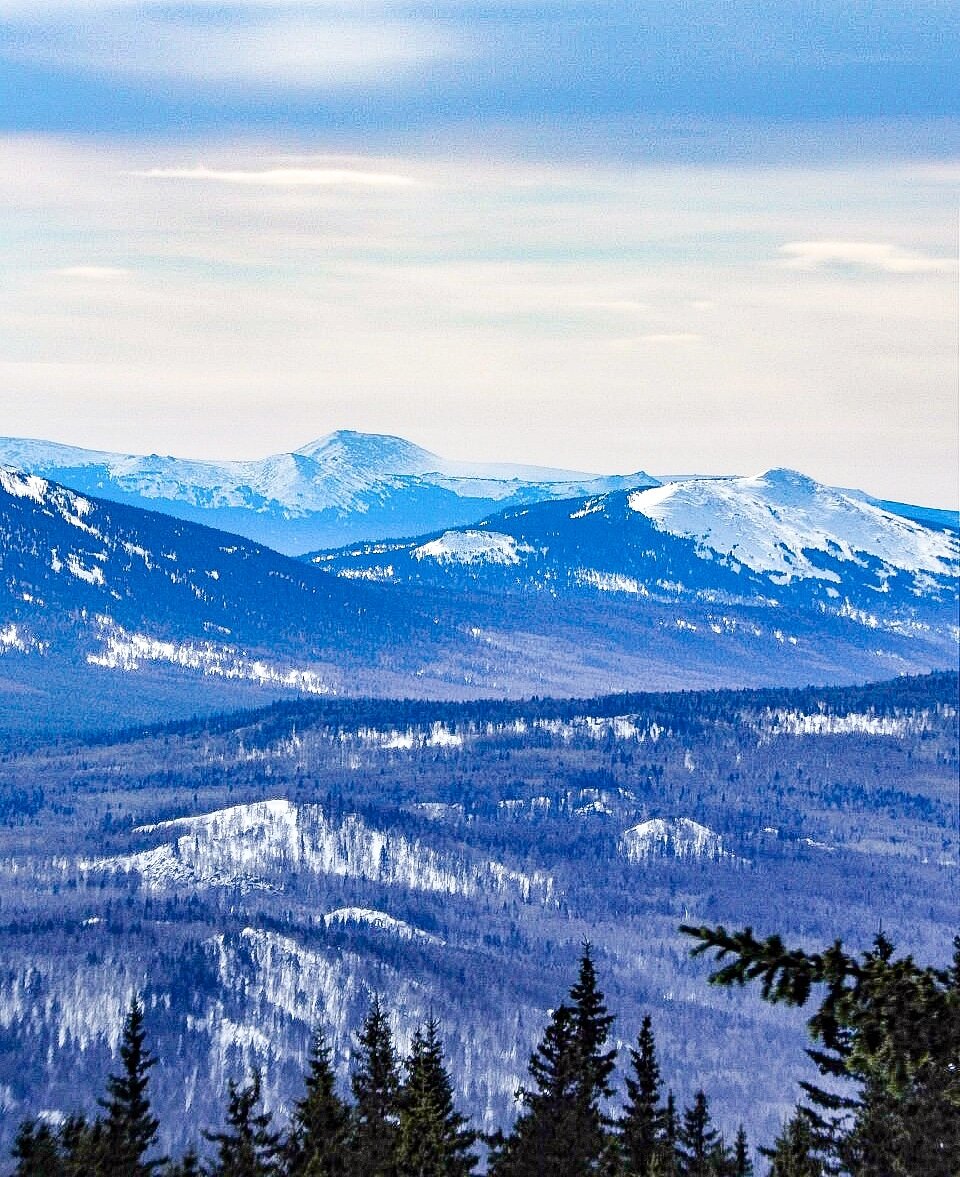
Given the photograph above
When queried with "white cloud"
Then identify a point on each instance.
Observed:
(284, 177)
(93, 273)
(870, 256)
(271, 47)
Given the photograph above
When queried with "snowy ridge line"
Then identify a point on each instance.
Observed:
(254, 846)
(473, 547)
(799, 723)
(381, 921)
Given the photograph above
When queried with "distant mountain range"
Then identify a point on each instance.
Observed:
(344, 487)
(605, 592)
(777, 538)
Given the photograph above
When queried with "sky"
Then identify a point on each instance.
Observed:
(713, 236)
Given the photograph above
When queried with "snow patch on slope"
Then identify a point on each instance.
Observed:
(126, 651)
(472, 547)
(681, 837)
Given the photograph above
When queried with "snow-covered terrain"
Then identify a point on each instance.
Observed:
(256, 846)
(784, 523)
(681, 837)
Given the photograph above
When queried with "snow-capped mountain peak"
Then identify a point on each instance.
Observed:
(787, 524)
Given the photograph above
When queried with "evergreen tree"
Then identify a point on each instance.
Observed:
(316, 1145)
(433, 1138)
(376, 1085)
(85, 1146)
(793, 1153)
(248, 1148)
(129, 1126)
(36, 1151)
(742, 1164)
(561, 1130)
(890, 1026)
(544, 1140)
(666, 1161)
(643, 1121)
(593, 1024)
(187, 1166)
(698, 1140)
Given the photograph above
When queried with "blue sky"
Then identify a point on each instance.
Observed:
(708, 236)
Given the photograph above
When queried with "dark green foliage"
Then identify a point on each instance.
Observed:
(642, 1126)
(36, 1151)
(890, 1026)
(699, 1147)
(129, 1126)
(376, 1087)
(561, 1131)
(742, 1164)
(434, 1139)
(545, 1136)
(249, 1147)
(793, 1154)
(316, 1144)
(188, 1166)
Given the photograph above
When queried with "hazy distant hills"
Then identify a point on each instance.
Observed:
(109, 612)
(343, 487)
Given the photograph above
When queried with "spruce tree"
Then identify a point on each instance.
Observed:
(433, 1139)
(742, 1164)
(129, 1126)
(376, 1085)
(794, 1151)
(697, 1140)
(545, 1141)
(888, 1026)
(36, 1151)
(316, 1144)
(642, 1124)
(666, 1161)
(249, 1147)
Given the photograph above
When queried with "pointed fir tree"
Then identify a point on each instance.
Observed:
(794, 1151)
(742, 1163)
(316, 1143)
(36, 1151)
(84, 1145)
(697, 1140)
(666, 1160)
(642, 1124)
(376, 1085)
(249, 1147)
(129, 1126)
(434, 1139)
(544, 1141)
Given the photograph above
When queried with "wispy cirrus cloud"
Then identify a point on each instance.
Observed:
(861, 256)
(284, 177)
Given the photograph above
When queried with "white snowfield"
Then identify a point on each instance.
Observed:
(256, 846)
(679, 836)
(777, 522)
(472, 547)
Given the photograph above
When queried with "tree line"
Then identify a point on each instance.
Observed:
(886, 1035)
